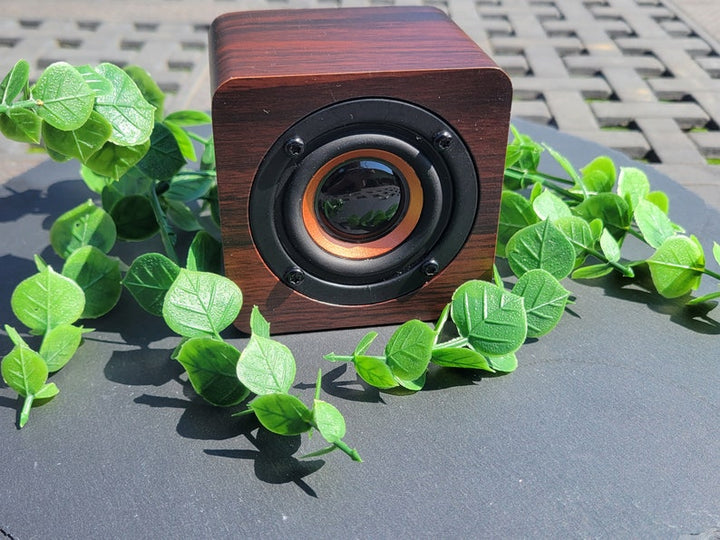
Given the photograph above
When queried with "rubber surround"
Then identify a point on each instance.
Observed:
(450, 201)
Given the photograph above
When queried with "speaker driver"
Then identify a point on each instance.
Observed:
(363, 201)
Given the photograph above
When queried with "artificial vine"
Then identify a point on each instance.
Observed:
(143, 167)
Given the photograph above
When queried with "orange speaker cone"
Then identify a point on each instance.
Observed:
(409, 212)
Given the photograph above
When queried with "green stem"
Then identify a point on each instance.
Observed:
(711, 273)
(544, 179)
(162, 222)
(198, 138)
(625, 270)
(354, 455)
(455, 342)
(25, 412)
(25, 104)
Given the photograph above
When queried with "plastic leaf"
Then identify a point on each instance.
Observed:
(578, 231)
(599, 174)
(201, 304)
(59, 345)
(653, 223)
(66, 99)
(131, 116)
(328, 420)
(266, 366)
(148, 280)
(374, 371)
(541, 246)
(258, 324)
(163, 159)
(80, 143)
(547, 205)
(544, 299)
(492, 319)
(609, 246)
(457, 357)
(99, 277)
(633, 185)
(134, 218)
(14, 82)
(211, 368)
(282, 414)
(21, 125)
(46, 300)
(505, 363)
(676, 267)
(84, 225)
(409, 349)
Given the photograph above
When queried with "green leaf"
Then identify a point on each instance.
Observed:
(544, 299)
(181, 216)
(99, 277)
(364, 344)
(258, 324)
(149, 89)
(516, 213)
(492, 319)
(163, 159)
(592, 271)
(47, 300)
(183, 140)
(14, 82)
(653, 223)
(59, 345)
(659, 199)
(189, 118)
(633, 185)
(205, 254)
(99, 84)
(414, 385)
(374, 371)
(188, 186)
(599, 174)
(282, 414)
(24, 371)
(609, 246)
(149, 279)
(80, 143)
(328, 421)
(65, 99)
(15, 336)
(21, 125)
(505, 363)
(578, 231)
(48, 391)
(409, 349)
(547, 205)
(211, 365)
(677, 266)
(611, 209)
(84, 225)
(113, 160)
(567, 167)
(716, 252)
(266, 366)
(131, 116)
(201, 304)
(95, 182)
(457, 357)
(134, 218)
(541, 246)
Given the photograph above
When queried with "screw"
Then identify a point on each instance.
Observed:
(430, 267)
(442, 140)
(294, 147)
(294, 277)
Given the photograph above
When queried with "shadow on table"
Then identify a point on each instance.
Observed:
(640, 290)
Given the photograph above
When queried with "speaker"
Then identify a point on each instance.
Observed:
(360, 155)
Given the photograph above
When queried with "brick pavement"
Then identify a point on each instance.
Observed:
(640, 76)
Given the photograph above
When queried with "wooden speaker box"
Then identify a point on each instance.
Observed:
(360, 155)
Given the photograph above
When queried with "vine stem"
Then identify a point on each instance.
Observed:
(25, 412)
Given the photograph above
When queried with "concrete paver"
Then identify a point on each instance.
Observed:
(640, 76)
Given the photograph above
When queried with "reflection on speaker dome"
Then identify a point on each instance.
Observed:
(361, 200)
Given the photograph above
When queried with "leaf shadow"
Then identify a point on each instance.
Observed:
(350, 390)
(640, 290)
(273, 457)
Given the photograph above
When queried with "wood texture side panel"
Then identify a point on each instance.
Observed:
(251, 112)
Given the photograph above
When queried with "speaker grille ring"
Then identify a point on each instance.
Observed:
(442, 202)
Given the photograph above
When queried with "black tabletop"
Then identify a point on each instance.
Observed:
(608, 427)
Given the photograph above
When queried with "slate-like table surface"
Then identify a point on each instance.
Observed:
(608, 428)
